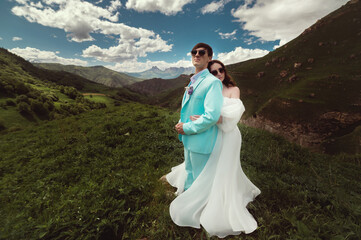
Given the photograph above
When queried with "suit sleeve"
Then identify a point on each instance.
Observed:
(212, 110)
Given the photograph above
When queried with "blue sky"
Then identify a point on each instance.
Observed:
(134, 35)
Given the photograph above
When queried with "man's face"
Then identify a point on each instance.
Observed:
(200, 58)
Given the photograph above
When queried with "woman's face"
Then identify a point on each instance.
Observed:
(218, 71)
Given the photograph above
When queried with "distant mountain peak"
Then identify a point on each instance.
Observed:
(167, 73)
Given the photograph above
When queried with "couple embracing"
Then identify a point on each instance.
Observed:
(212, 189)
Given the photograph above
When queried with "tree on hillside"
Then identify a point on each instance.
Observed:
(38, 108)
(24, 108)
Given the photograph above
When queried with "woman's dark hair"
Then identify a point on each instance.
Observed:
(206, 46)
(228, 80)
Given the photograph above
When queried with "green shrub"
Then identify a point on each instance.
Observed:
(22, 98)
(2, 125)
(9, 89)
(3, 106)
(39, 108)
(49, 105)
(33, 94)
(10, 102)
(21, 88)
(24, 108)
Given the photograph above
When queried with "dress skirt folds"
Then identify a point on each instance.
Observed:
(217, 199)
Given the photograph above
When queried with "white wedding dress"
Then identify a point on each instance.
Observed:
(218, 198)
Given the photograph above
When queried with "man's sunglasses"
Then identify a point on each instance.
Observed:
(215, 72)
(200, 52)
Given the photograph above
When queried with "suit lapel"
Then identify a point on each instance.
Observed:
(196, 84)
(185, 96)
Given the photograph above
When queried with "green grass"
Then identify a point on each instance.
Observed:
(101, 99)
(13, 120)
(95, 176)
(350, 142)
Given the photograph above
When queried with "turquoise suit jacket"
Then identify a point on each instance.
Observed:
(206, 100)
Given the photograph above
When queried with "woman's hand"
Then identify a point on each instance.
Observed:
(194, 117)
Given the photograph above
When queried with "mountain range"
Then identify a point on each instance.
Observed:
(98, 74)
(168, 73)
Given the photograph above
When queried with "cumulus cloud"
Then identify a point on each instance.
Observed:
(135, 66)
(127, 50)
(114, 5)
(240, 54)
(1, 38)
(282, 20)
(37, 5)
(39, 56)
(228, 35)
(214, 6)
(164, 6)
(79, 19)
(17, 39)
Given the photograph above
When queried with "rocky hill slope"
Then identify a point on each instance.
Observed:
(309, 90)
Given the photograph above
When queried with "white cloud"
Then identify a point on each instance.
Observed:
(167, 32)
(37, 5)
(249, 41)
(21, 1)
(114, 5)
(282, 20)
(17, 39)
(166, 7)
(80, 18)
(1, 38)
(240, 54)
(39, 56)
(228, 35)
(135, 66)
(127, 50)
(214, 6)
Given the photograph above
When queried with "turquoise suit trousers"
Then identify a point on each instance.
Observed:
(194, 164)
(200, 136)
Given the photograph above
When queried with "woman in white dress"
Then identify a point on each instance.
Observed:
(218, 198)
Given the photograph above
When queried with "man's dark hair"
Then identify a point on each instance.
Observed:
(206, 46)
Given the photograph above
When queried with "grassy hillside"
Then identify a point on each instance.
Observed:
(95, 176)
(98, 74)
(29, 94)
(329, 74)
(309, 89)
(157, 86)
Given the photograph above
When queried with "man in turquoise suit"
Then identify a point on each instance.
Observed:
(203, 97)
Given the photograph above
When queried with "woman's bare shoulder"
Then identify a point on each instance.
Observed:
(235, 92)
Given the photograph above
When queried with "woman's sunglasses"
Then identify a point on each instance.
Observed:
(200, 52)
(215, 72)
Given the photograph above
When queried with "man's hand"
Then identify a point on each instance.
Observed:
(179, 128)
